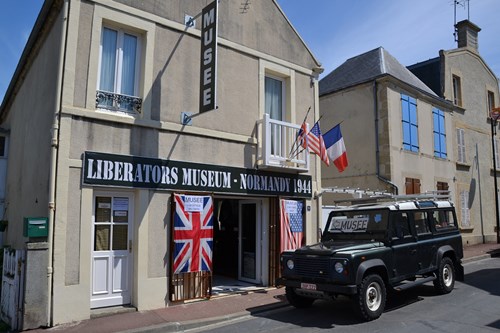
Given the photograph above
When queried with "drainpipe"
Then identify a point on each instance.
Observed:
(54, 158)
(377, 154)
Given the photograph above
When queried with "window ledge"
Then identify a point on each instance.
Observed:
(463, 164)
(467, 230)
(493, 170)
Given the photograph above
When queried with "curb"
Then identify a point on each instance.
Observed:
(492, 254)
(196, 323)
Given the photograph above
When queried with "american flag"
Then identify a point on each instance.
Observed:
(291, 225)
(193, 236)
(314, 141)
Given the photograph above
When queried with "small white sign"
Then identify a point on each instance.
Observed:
(358, 224)
(291, 206)
(193, 203)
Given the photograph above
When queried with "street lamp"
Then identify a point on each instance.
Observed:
(494, 115)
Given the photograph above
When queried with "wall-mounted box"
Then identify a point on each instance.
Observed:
(36, 227)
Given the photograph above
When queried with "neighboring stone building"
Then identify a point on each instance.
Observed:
(97, 115)
(460, 75)
(396, 129)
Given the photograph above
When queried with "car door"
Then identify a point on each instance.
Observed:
(404, 247)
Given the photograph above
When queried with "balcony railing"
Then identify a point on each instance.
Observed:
(118, 102)
(279, 146)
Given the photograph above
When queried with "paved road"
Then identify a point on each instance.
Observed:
(473, 306)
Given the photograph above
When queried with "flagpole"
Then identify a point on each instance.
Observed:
(293, 149)
(333, 127)
(298, 147)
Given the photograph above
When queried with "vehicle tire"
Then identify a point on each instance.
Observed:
(371, 297)
(297, 300)
(445, 276)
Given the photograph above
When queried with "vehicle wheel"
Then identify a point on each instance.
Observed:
(445, 276)
(371, 297)
(297, 300)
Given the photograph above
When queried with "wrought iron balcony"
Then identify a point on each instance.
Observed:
(118, 102)
(279, 147)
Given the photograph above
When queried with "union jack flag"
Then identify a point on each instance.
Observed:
(291, 225)
(193, 235)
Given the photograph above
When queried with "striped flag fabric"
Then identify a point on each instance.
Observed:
(193, 233)
(292, 225)
(314, 141)
(335, 148)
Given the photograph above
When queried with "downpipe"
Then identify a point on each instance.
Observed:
(54, 154)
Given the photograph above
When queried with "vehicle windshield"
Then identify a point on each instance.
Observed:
(356, 225)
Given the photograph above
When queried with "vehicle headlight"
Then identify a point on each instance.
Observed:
(339, 267)
(290, 264)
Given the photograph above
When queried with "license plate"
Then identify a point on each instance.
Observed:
(308, 286)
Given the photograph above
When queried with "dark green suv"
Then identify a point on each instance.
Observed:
(368, 249)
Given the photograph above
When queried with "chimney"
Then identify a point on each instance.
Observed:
(467, 34)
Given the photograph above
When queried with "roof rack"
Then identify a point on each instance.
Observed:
(373, 196)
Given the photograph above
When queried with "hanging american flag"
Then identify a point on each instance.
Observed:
(314, 141)
(193, 233)
(291, 224)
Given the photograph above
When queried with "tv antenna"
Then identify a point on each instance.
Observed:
(465, 4)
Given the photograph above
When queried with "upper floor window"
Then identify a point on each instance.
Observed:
(457, 90)
(118, 82)
(274, 97)
(410, 125)
(491, 101)
(461, 146)
(439, 133)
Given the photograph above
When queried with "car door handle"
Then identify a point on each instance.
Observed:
(413, 251)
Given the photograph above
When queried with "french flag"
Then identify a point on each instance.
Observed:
(335, 147)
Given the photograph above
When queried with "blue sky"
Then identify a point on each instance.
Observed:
(411, 30)
(334, 30)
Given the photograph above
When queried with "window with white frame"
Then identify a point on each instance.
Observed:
(439, 133)
(461, 158)
(274, 97)
(119, 71)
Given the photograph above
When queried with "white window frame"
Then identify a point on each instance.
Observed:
(119, 59)
(283, 94)
(457, 90)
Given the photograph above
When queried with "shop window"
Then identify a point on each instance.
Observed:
(119, 71)
(439, 133)
(409, 121)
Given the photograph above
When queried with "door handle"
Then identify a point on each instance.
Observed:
(130, 246)
(413, 251)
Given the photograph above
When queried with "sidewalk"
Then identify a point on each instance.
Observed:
(178, 318)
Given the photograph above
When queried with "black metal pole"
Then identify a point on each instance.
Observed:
(493, 132)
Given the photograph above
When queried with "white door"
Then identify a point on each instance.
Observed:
(111, 249)
(249, 253)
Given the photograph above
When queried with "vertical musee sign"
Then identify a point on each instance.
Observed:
(208, 66)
